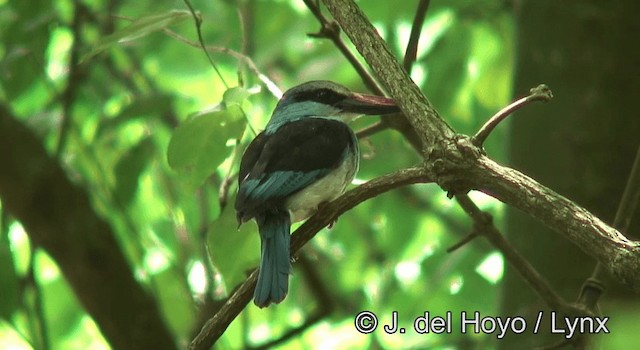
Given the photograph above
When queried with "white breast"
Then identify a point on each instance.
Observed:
(305, 203)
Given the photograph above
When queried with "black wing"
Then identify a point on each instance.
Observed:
(296, 155)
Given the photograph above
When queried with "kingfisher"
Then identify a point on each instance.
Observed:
(306, 156)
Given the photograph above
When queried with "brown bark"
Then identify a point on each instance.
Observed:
(58, 216)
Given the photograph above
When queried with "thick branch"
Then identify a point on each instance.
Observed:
(460, 166)
(601, 241)
(58, 217)
(426, 122)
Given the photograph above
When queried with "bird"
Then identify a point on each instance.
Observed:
(305, 156)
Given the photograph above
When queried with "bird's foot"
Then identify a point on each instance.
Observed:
(320, 208)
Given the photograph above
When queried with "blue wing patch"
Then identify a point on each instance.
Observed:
(279, 184)
(278, 165)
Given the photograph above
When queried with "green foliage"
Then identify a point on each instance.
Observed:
(129, 168)
(224, 237)
(138, 28)
(198, 145)
(9, 278)
(154, 136)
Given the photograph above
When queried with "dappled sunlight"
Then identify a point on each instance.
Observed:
(491, 268)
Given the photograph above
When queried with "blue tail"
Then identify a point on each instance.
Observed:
(273, 279)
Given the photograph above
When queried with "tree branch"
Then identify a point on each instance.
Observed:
(215, 326)
(483, 226)
(58, 217)
(460, 165)
(411, 54)
(539, 93)
(74, 78)
(630, 197)
(620, 255)
(331, 30)
(197, 18)
(424, 119)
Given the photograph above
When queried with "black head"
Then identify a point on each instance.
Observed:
(326, 98)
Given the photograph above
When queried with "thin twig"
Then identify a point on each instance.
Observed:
(246, 16)
(229, 178)
(310, 322)
(593, 288)
(483, 225)
(244, 59)
(331, 30)
(422, 126)
(74, 77)
(630, 198)
(466, 239)
(198, 20)
(372, 129)
(411, 53)
(539, 93)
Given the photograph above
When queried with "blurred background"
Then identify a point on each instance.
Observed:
(116, 101)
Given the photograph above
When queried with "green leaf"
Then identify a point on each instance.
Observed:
(234, 250)
(61, 301)
(129, 168)
(9, 281)
(235, 96)
(24, 41)
(448, 73)
(175, 300)
(198, 146)
(148, 107)
(139, 28)
(493, 51)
